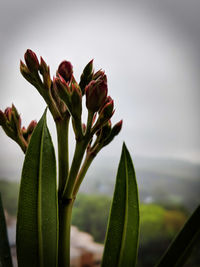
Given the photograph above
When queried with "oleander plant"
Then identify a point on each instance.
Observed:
(46, 196)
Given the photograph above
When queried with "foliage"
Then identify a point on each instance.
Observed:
(90, 214)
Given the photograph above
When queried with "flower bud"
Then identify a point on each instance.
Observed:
(84, 128)
(76, 101)
(114, 131)
(65, 69)
(2, 118)
(96, 93)
(86, 76)
(116, 128)
(106, 112)
(31, 60)
(43, 66)
(15, 118)
(105, 131)
(8, 113)
(44, 70)
(63, 90)
(23, 130)
(25, 72)
(31, 126)
(99, 74)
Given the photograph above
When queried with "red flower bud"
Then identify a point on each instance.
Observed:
(65, 69)
(2, 118)
(86, 76)
(63, 90)
(8, 113)
(83, 128)
(117, 128)
(98, 74)
(31, 126)
(43, 66)
(105, 131)
(16, 119)
(107, 110)
(96, 93)
(76, 101)
(45, 71)
(114, 131)
(31, 60)
(24, 130)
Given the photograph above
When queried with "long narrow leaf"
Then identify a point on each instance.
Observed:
(178, 252)
(5, 256)
(37, 219)
(123, 230)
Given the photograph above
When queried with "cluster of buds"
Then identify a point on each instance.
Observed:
(38, 74)
(100, 106)
(63, 96)
(10, 121)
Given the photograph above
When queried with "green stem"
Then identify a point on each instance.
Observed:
(89, 122)
(76, 162)
(46, 94)
(87, 162)
(65, 212)
(63, 162)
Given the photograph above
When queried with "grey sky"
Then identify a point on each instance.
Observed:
(149, 50)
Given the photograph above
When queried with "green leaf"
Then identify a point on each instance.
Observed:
(5, 256)
(181, 247)
(123, 230)
(37, 218)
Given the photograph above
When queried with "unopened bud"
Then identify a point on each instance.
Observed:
(96, 93)
(84, 128)
(31, 126)
(114, 131)
(44, 70)
(117, 128)
(106, 112)
(43, 66)
(76, 101)
(24, 130)
(86, 76)
(65, 69)
(63, 90)
(2, 118)
(15, 119)
(98, 74)
(105, 131)
(31, 60)
(25, 72)
(8, 113)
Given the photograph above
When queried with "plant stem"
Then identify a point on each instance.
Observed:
(76, 162)
(89, 122)
(65, 212)
(63, 161)
(87, 162)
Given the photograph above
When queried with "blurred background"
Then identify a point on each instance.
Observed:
(150, 51)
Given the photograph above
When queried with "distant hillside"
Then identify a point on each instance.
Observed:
(159, 180)
(166, 181)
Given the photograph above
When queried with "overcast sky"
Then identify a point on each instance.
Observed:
(149, 50)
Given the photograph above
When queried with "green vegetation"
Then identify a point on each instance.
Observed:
(158, 224)
(90, 214)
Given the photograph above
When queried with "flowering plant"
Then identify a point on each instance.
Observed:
(44, 209)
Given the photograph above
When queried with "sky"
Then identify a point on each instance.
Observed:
(149, 50)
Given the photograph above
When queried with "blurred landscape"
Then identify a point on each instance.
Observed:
(169, 192)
